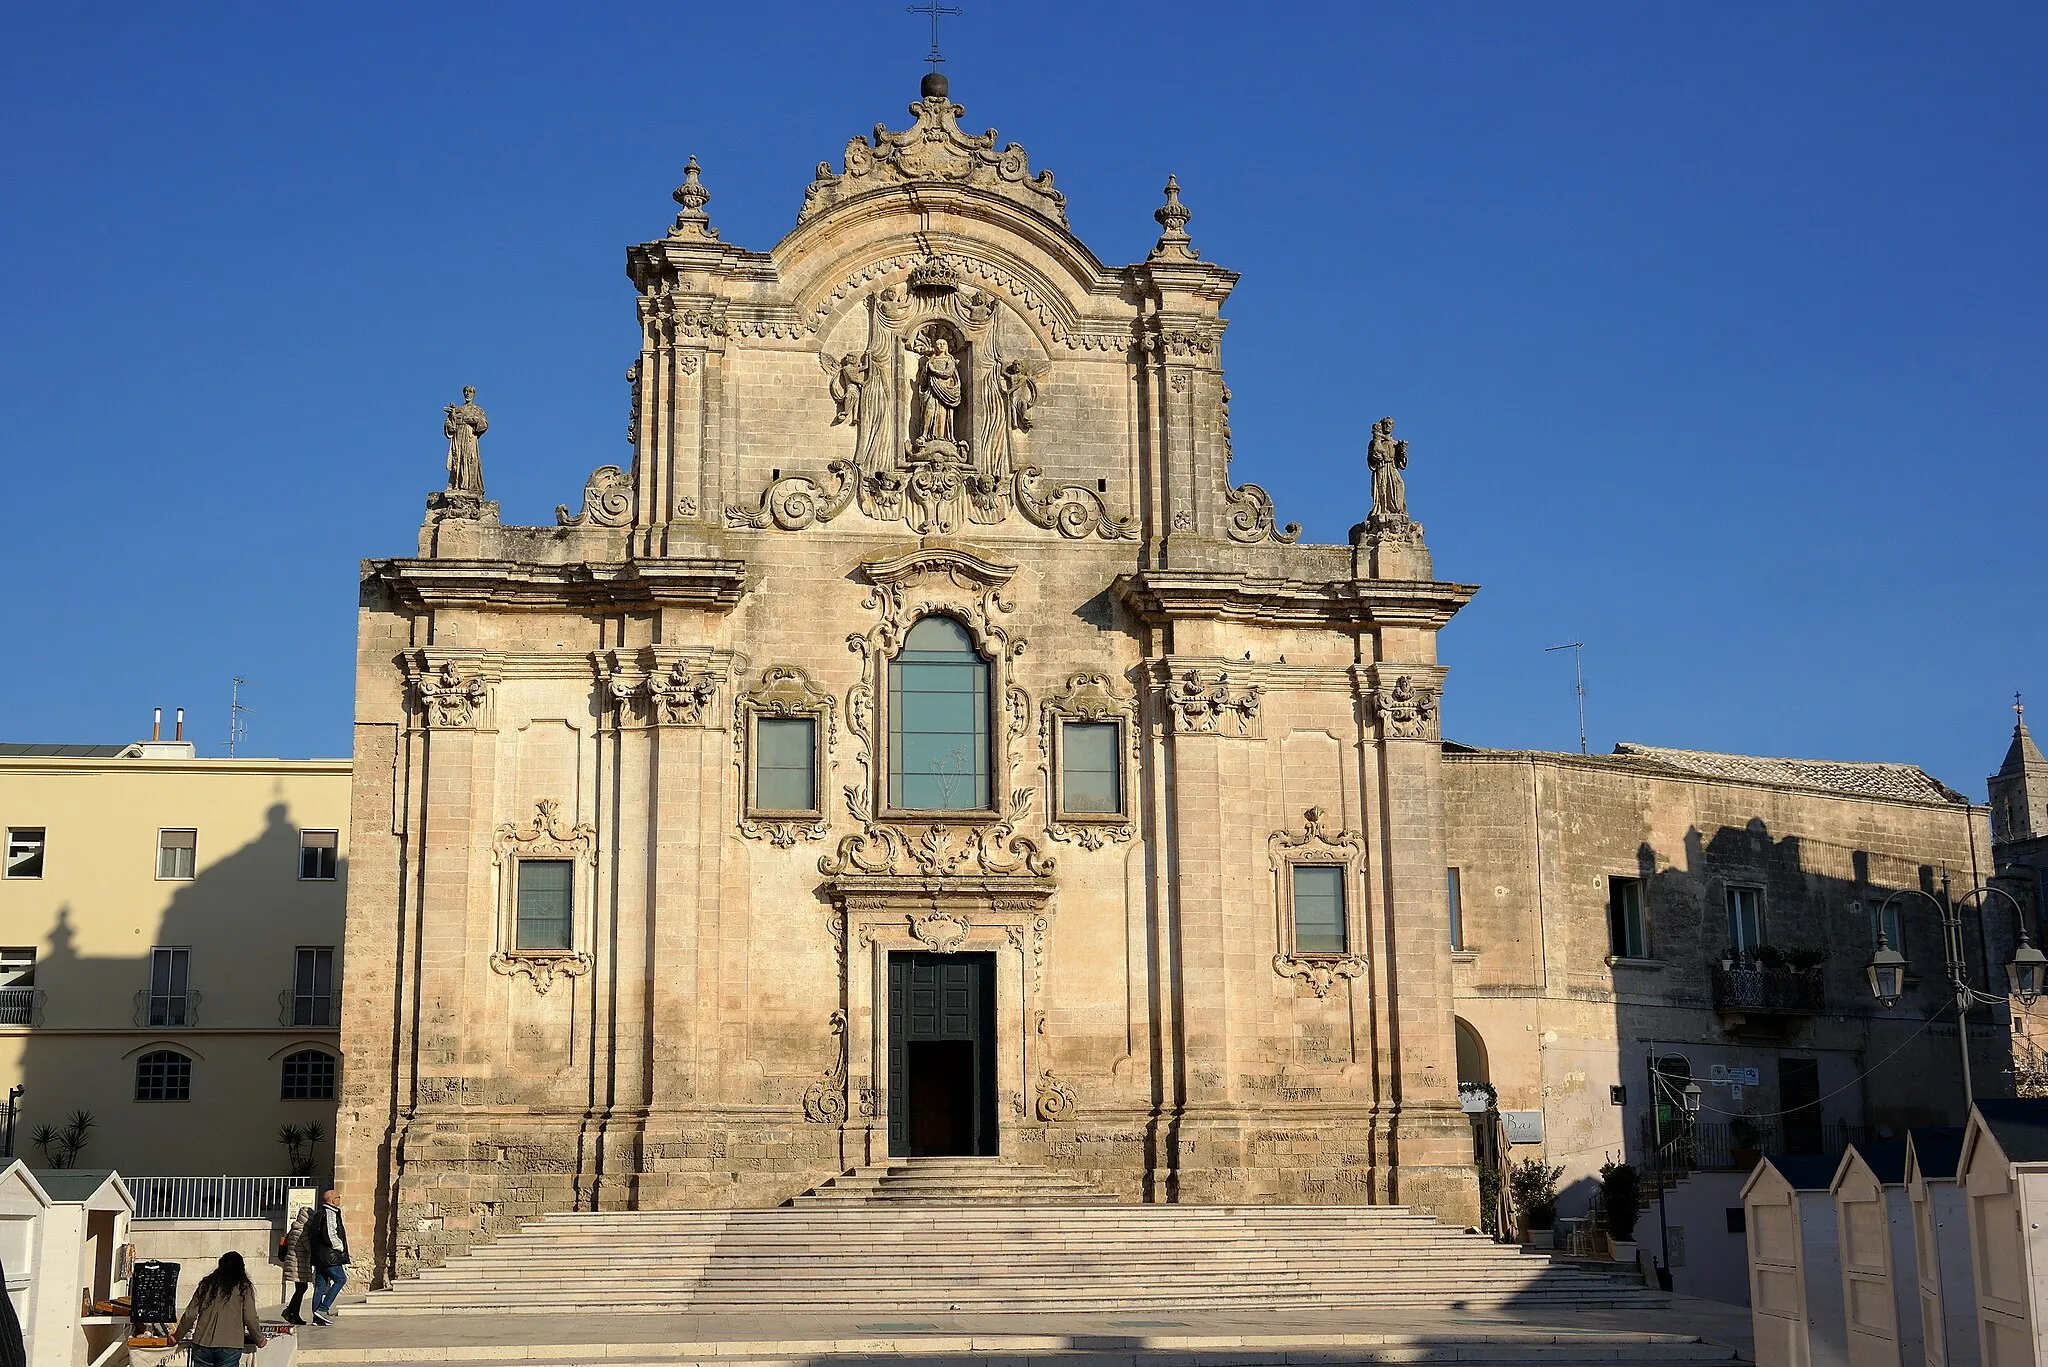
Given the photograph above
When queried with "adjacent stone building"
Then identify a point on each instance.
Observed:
(923, 747)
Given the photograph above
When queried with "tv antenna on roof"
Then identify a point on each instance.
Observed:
(238, 715)
(1577, 648)
(934, 9)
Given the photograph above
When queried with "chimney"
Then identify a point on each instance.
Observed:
(156, 727)
(180, 733)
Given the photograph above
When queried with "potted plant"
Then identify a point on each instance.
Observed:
(1730, 956)
(1805, 960)
(1489, 1201)
(1532, 1184)
(1742, 1138)
(1477, 1098)
(1770, 957)
(1621, 1194)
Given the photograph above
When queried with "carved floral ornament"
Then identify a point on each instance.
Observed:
(545, 837)
(1200, 703)
(448, 695)
(784, 691)
(934, 148)
(1407, 710)
(678, 693)
(1316, 843)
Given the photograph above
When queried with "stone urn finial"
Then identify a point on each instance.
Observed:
(1174, 242)
(691, 194)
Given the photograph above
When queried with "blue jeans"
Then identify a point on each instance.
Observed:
(327, 1284)
(216, 1357)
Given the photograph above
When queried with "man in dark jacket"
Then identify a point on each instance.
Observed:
(328, 1240)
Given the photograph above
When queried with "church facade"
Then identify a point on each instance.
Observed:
(923, 747)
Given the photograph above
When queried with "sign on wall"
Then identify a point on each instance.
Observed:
(1523, 1127)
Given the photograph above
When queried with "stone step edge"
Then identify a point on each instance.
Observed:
(310, 1351)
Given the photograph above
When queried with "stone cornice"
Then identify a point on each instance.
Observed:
(1159, 596)
(701, 582)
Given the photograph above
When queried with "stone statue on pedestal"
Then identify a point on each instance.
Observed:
(465, 424)
(1387, 458)
(938, 385)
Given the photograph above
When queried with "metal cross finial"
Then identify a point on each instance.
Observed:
(934, 9)
(2019, 705)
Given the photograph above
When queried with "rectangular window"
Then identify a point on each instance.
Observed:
(25, 852)
(1745, 919)
(170, 997)
(18, 985)
(1319, 909)
(1454, 887)
(176, 853)
(786, 764)
(318, 852)
(545, 886)
(313, 987)
(1888, 925)
(1091, 774)
(1628, 936)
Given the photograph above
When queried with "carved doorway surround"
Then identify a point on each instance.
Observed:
(1009, 918)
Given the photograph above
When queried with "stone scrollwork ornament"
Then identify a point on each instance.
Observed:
(1252, 519)
(1056, 1099)
(607, 501)
(540, 969)
(1407, 710)
(448, 698)
(1321, 972)
(681, 696)
(825, 1099)
(1204, 706)
(938, 932)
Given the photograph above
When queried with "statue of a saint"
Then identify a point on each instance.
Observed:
(465, 423)
(1387, 458)
(938, 385)
(1018, 379)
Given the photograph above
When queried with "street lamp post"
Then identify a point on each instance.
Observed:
(1663, 1089)
(2025, 976)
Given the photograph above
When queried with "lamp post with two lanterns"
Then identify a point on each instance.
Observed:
(1663, 1091)
(2026, 975)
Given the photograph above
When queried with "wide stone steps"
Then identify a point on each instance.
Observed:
(952, 1181)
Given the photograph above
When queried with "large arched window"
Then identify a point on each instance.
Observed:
(163, 1075)
(938, 721)
(309, 1076)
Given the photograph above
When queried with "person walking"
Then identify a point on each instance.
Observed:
(220, 1320)
(327, 1239)
(298, 1260)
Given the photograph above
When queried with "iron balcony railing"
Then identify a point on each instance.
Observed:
(21, 1006)
(212, 1198)
(1755, 989)
(166, 1009)
(310, 1009)
(1735, 1146)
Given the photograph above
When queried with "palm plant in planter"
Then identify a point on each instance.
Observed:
(1621, 1194)
(1532, 1185)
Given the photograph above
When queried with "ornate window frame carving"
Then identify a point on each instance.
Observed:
(785, 691)
(1315, 845)
(1088, 696)
(544, 838)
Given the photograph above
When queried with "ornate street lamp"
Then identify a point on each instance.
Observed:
(1691, 1098)
(2026, 976)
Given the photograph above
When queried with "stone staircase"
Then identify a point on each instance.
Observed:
(981, 1237)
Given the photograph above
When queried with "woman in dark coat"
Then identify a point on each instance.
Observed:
(298, 1260)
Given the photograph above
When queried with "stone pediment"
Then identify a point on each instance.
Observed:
(934, 149)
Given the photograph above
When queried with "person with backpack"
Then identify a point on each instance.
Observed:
(327, 1237)
(220, 1320)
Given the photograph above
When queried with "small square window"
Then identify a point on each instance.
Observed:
(1319, 909)
(318, 855)
(1091, 769)
(25, 852)
(1628, 935)
(176, 853)
(163, 1075)
(786, 764)
(545, 888)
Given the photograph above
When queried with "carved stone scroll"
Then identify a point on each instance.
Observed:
(682, 696)
(1252, 519)
(1320, 971)
(448, 697)
(934, 148)
(1210, 706)
(1407, 710)
(607, 500)
(825, 1099)
(1056, 1100)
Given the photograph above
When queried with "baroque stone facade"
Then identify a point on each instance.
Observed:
(611, 946)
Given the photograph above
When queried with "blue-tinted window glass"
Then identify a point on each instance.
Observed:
(785, 764)
(1318, 909)
(544, 888)
(1091, 781)
(938, 721)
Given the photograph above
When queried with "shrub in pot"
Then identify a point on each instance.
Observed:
(1621, 1194)
(1532, 1185)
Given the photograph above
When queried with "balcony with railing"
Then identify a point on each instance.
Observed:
(1736, 1145)
(1764, 984)
(21, 1006)
(166, 1010)
(317, 1010)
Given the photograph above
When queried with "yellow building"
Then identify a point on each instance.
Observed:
(170, 937)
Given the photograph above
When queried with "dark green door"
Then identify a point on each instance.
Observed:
(942, 1055)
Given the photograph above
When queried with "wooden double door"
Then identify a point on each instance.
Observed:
(942, 1055)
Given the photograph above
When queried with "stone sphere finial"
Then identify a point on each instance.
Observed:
(934, 86)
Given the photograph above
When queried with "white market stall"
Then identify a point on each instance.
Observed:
(1874, 1220)
(2003, 1172)
(1941, 1247)
(1795, 1263)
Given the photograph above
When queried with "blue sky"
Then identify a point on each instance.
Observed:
(1718, 331)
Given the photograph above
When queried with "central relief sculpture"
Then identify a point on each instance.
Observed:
(936, 409)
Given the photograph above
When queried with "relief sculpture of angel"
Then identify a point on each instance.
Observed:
(848, 379)
(1018, 379)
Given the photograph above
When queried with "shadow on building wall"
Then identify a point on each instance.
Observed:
(242, 916)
